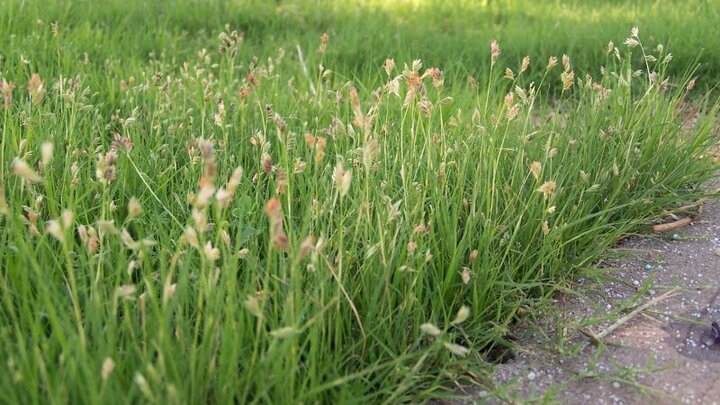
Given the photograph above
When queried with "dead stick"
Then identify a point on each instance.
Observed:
(598, 337)
(671, 226)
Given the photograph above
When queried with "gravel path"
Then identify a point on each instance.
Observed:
(665, 355)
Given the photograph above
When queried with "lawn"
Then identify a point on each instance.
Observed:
(324, 202)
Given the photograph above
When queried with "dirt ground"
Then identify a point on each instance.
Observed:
(665, 354)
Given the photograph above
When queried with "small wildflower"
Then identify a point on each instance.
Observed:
(634, 32)
(547, 188)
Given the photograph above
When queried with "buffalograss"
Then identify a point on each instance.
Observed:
(198, 212)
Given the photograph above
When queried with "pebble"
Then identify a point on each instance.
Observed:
(531, 375)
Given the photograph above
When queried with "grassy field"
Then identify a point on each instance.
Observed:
(333, 202)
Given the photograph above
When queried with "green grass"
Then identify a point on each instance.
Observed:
(376, 247)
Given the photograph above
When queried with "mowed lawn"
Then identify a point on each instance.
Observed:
(324, 202)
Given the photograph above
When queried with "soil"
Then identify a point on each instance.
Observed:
(666, 354)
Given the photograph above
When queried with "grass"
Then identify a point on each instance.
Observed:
(212, 227)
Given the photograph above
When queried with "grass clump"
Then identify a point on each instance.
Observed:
(221, 228)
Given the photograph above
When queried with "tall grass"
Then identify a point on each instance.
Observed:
(208, 227)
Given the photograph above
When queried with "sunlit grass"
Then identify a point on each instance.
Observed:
(182, 222)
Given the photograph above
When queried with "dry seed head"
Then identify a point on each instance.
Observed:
(466, 274)
(525, 64)
(566, 63)
(211, 253)
(509, 74)
(36, 88)
(125, 292)
(494, 52)
(46, 154)
(634, 32)
(545, 228)
(24, 171)
(281, 180)
(430, 329)
(389, 65)
(134, 208)
(266, 163)
(342, 178)
(547, 188)
(535, 168)
(307, 246)
(6, 92)
(631, 42)
(610, 47)
(411, 248)
(54, 228)
(568, 79)
(169, 290)
(324, 40)
(462, 315)
(200, 219)
(4, 209)
(508, 101)
(253, 305)
(225, 236)
(107, 367)
(370, 152)
(552, 62)
(690, 85)
(512, 112)
(473, 255)
(190, 237)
